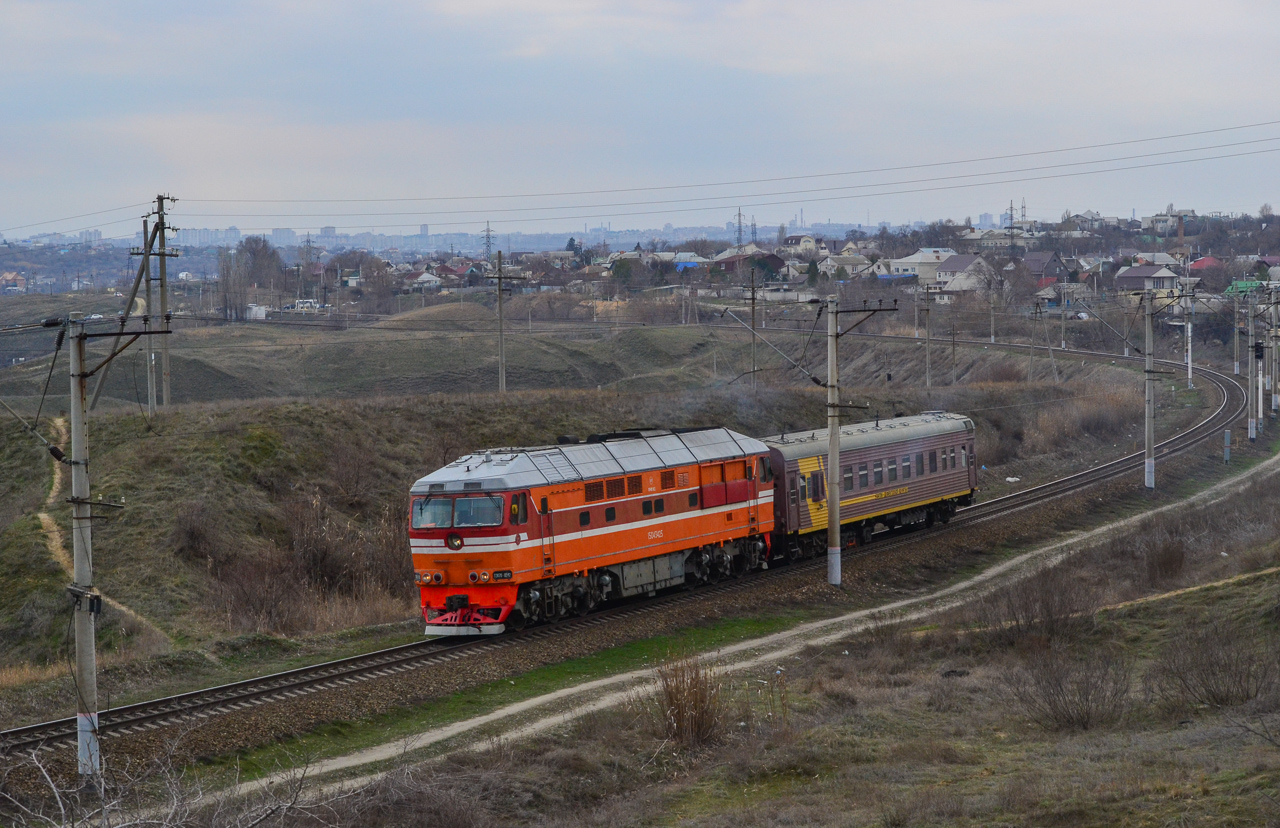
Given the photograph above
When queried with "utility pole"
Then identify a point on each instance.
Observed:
(928, 345)
(165, 317)
(1062, 314)
(833, 442)
(1188, 305)
(1253, 422)
(149, 240)
(87, 601)
(993, 315)
(1235, 331)
(502, 339)
(1149, 464)
(1275, 354)
(753, 324)
(146, 326)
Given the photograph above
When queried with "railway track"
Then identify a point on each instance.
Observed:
(229, 698)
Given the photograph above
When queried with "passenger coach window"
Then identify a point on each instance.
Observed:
(933, 462)
(793, 491)
(878, 468)
(893, 471)
(804, 487)
(906, 467)
(816, 486)
(848, 478)
(862, 476)
(920, 464)
(964, 458)
(953, 458)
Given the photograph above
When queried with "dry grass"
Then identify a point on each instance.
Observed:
(16, 675)
(1059, 692)
(1218, 664)
(691, 702)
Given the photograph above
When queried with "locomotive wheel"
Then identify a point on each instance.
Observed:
(516, 620)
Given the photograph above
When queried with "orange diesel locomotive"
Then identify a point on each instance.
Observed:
(513, 536)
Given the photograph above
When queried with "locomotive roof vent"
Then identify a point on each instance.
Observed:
(473, 485)
(436, 487)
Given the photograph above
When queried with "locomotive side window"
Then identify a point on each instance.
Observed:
(584, 518)
(646, 508)
(933, 462)
(485, 510)
(862, 476)
(659, 505)
(543, 510)
(610, 514)
(848, 479)
(693, 500)
(519, 509)
(920, 464)
(893, 470)
(432, 513)
(878, 468)
(906, 467)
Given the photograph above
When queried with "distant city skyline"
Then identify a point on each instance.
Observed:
(227, 108)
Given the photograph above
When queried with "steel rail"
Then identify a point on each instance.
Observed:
(238, 695)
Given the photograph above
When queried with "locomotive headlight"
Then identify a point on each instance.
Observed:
(438, 577)
(484, 576)
(454, 541)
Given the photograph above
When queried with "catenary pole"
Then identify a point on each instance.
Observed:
(753, 328)
(1149, 464)
(1253, 421)
(928, 344)
(833, 442)
(164, 303)
(1188, 305)
(146, 326)
(1235, 331)
(502, 341)
(89, 758)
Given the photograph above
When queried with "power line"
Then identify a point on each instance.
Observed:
(869, 171)
(731, 197)
(845, 197)
(72, 218)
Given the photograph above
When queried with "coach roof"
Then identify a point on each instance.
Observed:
(797, 444)
(604, 456)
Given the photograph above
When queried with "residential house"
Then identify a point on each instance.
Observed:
(923, 264)
(1046, 268)
(798, 246)
(853, 265)
(966, 272)
(1159, 259)
(12, 282)
(1146, 277)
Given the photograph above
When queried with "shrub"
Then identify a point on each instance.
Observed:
(1051, 604)
(690, 702)
(1060, 693)
(1216, 665)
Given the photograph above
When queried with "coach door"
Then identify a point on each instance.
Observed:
(548, 540)
(793, 501)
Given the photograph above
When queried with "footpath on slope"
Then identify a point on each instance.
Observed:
(599, 694)
(56, 542)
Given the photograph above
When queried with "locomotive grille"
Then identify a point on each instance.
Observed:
(594, 491)
(668, 479)
(616, 487)
(634, 485)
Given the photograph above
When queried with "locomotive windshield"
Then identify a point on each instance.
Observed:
(478, 511)
(445, 512)
(432, 513)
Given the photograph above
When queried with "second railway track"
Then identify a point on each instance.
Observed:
(235, 696)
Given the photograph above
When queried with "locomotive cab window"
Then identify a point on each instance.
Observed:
(485, 510)
(432, 513)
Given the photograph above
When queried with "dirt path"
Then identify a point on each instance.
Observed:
(56, 541)
(568, 704)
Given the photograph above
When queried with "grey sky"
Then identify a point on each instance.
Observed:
(106, 104)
